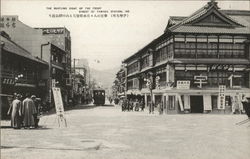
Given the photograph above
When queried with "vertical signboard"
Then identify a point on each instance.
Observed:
(58, 101)
(221, 97)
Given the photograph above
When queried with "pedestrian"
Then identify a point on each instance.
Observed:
(15, 110)
(36, 119)
(246, 105)
(235, 105)
(136, 105)
(160, 106)
(28, 110)
(142, 105)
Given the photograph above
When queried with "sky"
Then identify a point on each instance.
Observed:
(105, 42)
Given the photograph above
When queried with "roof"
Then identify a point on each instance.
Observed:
(14, 48)
(144, 48)
(229, 21)
(232, 22)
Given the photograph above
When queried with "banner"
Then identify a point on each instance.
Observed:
(58, 101)
(221, 97)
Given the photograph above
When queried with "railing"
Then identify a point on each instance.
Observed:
(57, 63)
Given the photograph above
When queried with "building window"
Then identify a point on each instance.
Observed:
(145, 61)
(133, 67)
(130, 84)
(210, 47)
(161, 72)
(163, 54)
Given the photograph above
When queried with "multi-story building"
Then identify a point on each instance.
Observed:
(52, 45)
(120, 82)
(81, 80)
(201, 63)
(20, 72)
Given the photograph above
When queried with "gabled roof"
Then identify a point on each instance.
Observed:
(14, 48)
(198, 22)
(174, 20)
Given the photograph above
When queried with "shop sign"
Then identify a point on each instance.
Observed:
(53, 31)
(222, 97)
(200, 80)
(8, 22)
(183, 85)
(58, 100)
(8, 81)
(221, 67)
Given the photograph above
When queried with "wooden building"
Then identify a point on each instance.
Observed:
(20, 72)
(201, 63)
(52, 45)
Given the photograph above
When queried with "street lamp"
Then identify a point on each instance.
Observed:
(18, 77)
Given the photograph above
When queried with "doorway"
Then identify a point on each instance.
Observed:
(196, 103)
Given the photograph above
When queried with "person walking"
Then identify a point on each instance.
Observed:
(36, 119)
(246, 105)
(28, 110)
(15, 110)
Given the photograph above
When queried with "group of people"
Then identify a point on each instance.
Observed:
(24, 113)
(132, 105)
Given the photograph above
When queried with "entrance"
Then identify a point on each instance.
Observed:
(196, 103)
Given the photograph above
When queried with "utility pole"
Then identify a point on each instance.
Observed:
(149, 80)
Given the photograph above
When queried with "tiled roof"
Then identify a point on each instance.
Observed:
(244, 20)
(12, 47)
(241, 19)
(201, 29)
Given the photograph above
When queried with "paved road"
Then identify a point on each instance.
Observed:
(108, 133)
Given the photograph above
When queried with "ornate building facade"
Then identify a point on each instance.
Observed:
(201, 63)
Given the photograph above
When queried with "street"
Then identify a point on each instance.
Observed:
(106, 132)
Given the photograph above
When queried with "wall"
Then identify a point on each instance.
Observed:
(24, 35)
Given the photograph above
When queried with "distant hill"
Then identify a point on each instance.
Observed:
(104, 77)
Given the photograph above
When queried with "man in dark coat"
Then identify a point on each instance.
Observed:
(28, 110)
(36, 119)
(246, 105)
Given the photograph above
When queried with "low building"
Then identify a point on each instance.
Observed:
(201, 63)
(20, 72)
(52, 45)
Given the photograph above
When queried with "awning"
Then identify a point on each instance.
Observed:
(134, 92)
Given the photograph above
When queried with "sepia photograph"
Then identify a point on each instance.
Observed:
(144, 79)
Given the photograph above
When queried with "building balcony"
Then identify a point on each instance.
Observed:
(57, 65)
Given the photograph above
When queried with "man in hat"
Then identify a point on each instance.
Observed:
(36, 119)
(15, 109)
(28, 110)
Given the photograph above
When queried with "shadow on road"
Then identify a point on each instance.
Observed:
(84, 107)
(90, 106)
(39, 128)
(97, 147)
(108, 105)
(6, 127)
